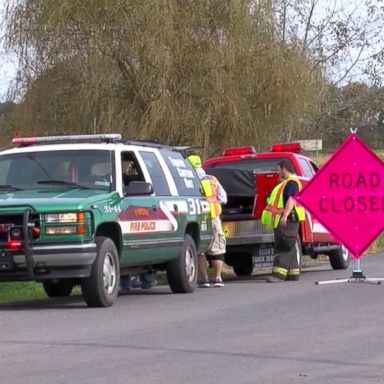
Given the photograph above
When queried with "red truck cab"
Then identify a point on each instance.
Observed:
(248, 178)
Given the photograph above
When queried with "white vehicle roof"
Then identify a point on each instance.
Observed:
(76, 147)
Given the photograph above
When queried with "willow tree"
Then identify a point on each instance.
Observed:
(199, 72)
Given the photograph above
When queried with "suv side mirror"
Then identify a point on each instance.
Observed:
(138, 188)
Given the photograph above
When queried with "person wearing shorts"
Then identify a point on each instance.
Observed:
(216, 251)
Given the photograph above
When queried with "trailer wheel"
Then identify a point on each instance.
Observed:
(339, 258)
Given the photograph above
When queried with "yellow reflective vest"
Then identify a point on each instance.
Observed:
(275, 205)
(210, 187)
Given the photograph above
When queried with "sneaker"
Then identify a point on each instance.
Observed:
(273, 279)
(217, 283)
(204, 284)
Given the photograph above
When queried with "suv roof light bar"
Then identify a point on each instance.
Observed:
(103, 137)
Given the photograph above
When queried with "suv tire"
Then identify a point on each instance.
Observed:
(101, 288)
(182, 272)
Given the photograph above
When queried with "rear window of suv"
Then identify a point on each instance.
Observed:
(183, 174)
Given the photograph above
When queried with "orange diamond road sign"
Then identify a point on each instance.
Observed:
(347, 195)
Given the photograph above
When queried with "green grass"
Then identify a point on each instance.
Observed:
(20, 291)
(377, 245)
(380, 242)
(29, 290)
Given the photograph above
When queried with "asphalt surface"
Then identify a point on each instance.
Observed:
(248, 332)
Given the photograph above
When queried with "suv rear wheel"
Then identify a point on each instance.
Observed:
(182, 272)
(100, 289)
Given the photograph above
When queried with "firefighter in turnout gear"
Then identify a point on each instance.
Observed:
(284, 216)
(216, 196)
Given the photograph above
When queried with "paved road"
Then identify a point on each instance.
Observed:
(248, 332)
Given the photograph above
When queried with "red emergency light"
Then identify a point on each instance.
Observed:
(237, 151)
(14, 244)
(286, 147)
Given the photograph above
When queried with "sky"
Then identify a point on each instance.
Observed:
(7, 74)
(7, 67)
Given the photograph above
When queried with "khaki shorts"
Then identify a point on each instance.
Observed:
(217, 246)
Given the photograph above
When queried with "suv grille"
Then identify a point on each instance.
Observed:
(12, 225)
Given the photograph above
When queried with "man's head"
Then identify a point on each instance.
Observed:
(285, 168)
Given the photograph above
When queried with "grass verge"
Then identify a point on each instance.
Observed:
(21, 291)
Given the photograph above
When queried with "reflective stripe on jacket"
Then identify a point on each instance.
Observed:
(275, 207)
(210, 186)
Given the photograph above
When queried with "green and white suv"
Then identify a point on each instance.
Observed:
(85, 209)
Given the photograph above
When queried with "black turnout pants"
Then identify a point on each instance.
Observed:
(285, 263)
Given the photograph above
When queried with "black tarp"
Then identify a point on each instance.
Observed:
(236, 182)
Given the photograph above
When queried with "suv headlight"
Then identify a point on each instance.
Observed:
(67, 223)
(68, 217)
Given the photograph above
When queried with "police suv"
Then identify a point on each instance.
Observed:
(87, 209)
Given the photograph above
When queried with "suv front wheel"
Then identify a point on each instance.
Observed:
(182, 272)
(101, 288)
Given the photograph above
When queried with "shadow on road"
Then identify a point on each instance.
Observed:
(71, 302)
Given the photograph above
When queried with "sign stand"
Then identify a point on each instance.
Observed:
(357, 277)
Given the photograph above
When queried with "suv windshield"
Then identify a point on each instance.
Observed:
(57, 169)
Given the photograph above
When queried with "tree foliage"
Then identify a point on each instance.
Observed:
(210, 73)
(355, 105)
(202, 72)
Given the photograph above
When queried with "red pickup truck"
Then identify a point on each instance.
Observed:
(248, 178)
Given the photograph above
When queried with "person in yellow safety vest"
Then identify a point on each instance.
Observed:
(284, 216)
(216, 195)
